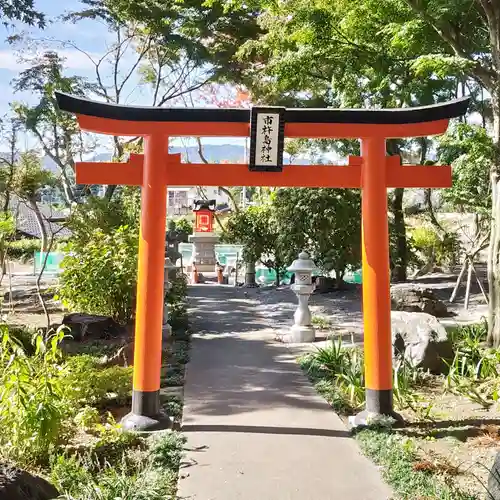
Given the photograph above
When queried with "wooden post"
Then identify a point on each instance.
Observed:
(146, 412)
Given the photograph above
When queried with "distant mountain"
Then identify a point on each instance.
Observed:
(214, 153)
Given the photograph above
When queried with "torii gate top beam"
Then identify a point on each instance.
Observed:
(124, 120)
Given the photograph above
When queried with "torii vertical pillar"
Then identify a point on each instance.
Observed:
(376, 280)
(146, 412)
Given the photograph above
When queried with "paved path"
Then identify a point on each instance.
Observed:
(256, 428)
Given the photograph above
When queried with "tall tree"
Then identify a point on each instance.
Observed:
(467, 33)
(29, 177)
(324, 222)
(9, 134)
(57, 132)
(137, 60)
(257, 230)
(343, 53)
(207, 31)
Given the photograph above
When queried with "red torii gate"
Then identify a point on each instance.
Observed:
(156, 169)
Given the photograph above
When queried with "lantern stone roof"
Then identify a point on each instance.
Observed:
(204, 205)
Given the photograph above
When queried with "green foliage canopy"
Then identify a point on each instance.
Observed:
(324, 222)
(21, 10)
(256, 228)
(471, 152)
(99, 275)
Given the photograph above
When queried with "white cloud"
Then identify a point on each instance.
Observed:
(9, 60)
(14, 61)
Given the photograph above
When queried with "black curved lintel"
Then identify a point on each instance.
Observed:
(396, 116)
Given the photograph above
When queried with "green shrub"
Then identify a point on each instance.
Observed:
(473, 372)
(111, 445)
(100, 214)
(87, 383)
(472, 358)
(185, 227)
(152, 476)
(338, 372)
(176, 300)
(444, 249)
(167, 450)
(44, 398)
(467, 334)
(398, 456)
(23, 249)
(24, 336)
(114, 484)
(87, 418)
(34, 414)
(99, 276)
(173, 407)
(321, 322)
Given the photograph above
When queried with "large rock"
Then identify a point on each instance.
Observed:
(124, 356)
(494, 479)
(413, 298)
(17, 484)
(84, 326)
(420, 339)
(324, 284)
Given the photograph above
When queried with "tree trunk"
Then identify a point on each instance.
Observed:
(339, 278)
(277, 270)
(250, 274)
(41, 226)
(108, 194)
(494, 247)
(399, 272)
(69, 196)
(430, 210)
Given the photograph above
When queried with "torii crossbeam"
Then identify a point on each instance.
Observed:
(156, 169)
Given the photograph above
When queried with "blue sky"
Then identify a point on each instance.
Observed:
(89, 36)
(83, 34)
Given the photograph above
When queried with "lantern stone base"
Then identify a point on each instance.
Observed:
(143, 424)
(204, 251)
(299, 335)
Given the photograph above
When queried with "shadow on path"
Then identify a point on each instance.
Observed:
(256, 428)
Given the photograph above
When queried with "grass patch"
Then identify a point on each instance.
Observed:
(412, 464)
(410, 477)
(150, 474)
(58, 405)
(321, 322)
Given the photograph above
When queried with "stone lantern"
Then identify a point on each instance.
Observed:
(169, 266)
(302, 330)
(204, 238)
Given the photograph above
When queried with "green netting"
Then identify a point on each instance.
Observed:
(52, 265)
(353, 277)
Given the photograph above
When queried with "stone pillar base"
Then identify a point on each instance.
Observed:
(299, 335)
(373, 419)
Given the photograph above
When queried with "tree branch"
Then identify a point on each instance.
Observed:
(222, 188)
(454, 40)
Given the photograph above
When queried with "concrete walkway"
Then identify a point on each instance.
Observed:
(256, 428)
